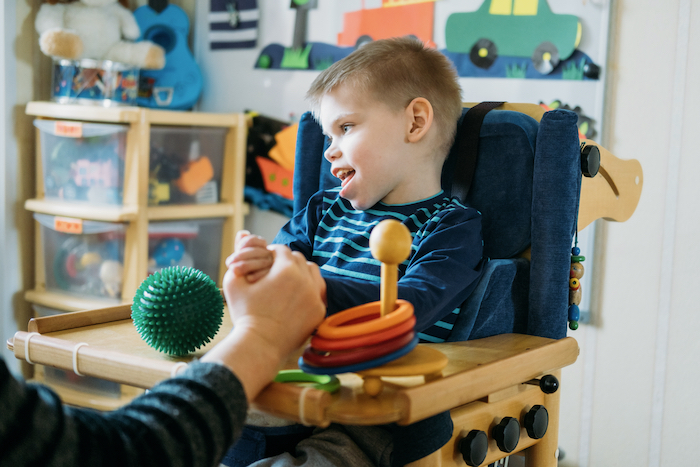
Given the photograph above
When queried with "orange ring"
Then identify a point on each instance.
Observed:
(319, 343)
(359, 355)
(334, 326)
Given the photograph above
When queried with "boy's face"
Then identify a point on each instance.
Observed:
(368, 151)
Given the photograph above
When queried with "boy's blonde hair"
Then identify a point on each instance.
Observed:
(396, 71)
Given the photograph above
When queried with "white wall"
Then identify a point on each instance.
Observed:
(638, 367)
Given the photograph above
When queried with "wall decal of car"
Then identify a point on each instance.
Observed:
(515, 28)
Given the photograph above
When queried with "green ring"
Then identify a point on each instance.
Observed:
(578, 259)
(328, 383)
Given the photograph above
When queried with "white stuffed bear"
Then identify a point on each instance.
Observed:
(97, 29)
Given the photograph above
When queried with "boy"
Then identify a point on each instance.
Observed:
(390, 111)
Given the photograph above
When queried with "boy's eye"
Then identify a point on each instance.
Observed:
(345, 127)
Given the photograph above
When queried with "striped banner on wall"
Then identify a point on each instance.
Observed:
(233, 24)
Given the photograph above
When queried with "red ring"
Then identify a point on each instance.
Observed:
(362, 354)
(319, 343)
(336, 327)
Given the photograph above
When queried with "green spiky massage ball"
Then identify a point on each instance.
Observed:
(177, 310)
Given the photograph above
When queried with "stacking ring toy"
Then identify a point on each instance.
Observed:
(327, 383)
(361, 354)
(376, 339)
(336, 327)
(316, 370)
(329, 345)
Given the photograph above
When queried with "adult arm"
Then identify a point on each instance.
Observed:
(187, 421)
(190, 420)
(282, 320)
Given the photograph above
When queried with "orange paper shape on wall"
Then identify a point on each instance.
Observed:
(403, 19)
(276, 178)
(283, 152)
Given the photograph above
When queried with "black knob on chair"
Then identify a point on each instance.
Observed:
(590, 160)
(506, 434)
(474, 447)
(549, 384)
(536, 422)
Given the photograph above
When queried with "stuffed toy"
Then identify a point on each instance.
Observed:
(96, 29)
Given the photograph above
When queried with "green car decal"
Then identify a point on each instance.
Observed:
(515, 28)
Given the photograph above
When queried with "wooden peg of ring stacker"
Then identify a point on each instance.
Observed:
(390, 243)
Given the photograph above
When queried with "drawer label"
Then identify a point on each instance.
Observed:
(68, 129)
(68, 225)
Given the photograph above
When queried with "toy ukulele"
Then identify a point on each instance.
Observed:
(375, 339)
(178, 85)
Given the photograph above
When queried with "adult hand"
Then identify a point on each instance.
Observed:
(271, 317)
(284, 307)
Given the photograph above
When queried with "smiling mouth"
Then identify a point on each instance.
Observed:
(344, 175)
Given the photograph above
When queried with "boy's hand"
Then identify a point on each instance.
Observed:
(252, 259)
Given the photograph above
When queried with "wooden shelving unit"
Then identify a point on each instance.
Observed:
(135, 213)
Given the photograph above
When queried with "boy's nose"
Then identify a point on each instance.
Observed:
(331, 153)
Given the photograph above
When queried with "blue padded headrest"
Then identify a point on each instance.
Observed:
(502, 186)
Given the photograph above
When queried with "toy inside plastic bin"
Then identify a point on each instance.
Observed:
(186, 164)
(94, 82)
(82, 257)
(83, 161)
(195, 243)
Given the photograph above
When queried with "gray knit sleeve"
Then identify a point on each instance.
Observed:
(190, 420)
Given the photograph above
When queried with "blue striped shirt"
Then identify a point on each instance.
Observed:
(440, 273)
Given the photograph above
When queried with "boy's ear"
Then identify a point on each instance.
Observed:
(419, 119)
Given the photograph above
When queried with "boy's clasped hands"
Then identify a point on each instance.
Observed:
(253, 258)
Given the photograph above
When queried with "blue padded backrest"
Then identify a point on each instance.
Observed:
(502, 186)
(312, 172)
(526, 185)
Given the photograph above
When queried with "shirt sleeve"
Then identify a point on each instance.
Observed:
(190, 420)
(298, 234)
(439, 278)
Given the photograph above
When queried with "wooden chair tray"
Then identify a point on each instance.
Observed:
(116, 352)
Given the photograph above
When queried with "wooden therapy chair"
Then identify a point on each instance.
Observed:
(522, 169)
